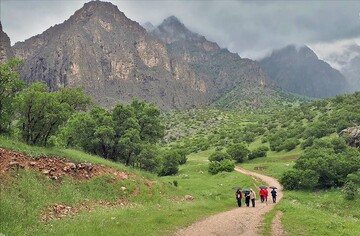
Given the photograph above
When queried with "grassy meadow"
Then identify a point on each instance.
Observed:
(161, 208)
(26, 194)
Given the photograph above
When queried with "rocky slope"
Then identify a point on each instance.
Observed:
(5, 46)
(221, 70)
(110, 56)
(300, 71)
(115, 59)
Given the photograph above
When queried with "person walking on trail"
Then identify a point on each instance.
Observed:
(247, 198)
(252, 197)
(273, 194)
(238, 195)
(262, 194)
(266, 193)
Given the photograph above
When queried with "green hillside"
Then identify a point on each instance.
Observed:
(91, 171)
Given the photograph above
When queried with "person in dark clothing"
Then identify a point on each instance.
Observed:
(238, 195)
(247, 198)
(273, 194)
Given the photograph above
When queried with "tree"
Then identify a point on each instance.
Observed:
(10, 85)
(238, 152)
(170, 164)
(42, 112)
(258, 152)
(148, 159)
(148, 119)
(219, 156)
(327, 163)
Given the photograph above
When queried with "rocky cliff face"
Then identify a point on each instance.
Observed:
(5, 46)
(112, 57)
(300, 71)
(115, 59)
(220, 70)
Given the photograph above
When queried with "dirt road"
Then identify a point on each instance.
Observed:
(239, 221)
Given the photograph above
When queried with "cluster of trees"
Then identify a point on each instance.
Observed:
(34, 113)
(235, 153)
(325, 164)
(127, 133)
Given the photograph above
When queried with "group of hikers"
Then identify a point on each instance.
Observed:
(250, 195)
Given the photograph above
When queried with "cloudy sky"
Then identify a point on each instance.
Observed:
(250, 28)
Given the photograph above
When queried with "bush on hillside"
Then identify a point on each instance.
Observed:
(238, 152)
(170, 163)
(219, 156)
(258, 152)
(219, 166)
(350, 190)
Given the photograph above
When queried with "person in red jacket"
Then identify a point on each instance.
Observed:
(266, 193)
(262, 194)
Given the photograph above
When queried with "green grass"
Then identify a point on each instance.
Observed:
(161, 209)
(26, 194)
(275, 164)
(320, 213)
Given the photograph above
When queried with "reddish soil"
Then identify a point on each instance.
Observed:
(55, 167)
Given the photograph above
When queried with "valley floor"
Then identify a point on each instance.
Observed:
(239, 221)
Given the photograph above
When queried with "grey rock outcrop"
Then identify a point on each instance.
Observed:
(221, 70)
(5, 46)
(353, 134)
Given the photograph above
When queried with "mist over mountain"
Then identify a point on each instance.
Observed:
(299, 70)
(348, 61)
(352, 73)
(226, 72)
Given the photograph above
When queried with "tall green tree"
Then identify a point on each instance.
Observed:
(238, 152)
(42, 112)
(10, 85)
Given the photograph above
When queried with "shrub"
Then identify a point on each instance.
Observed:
(258, 152)
(227, 165)
(350, 190)
(170, 164)
(219, 166)
(238, 152)
(218, 156)
(214, 167)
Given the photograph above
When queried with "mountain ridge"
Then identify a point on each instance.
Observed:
(114, 59)
(299, 70)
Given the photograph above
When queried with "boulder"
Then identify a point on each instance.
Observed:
(354, 136)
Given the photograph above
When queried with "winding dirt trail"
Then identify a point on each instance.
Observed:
(239, 221)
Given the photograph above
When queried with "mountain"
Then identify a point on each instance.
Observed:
(111, 57)
(5, 46)
(299, 70)
(352, 73)
(221, 70)
(148, 26)
(115, 60)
